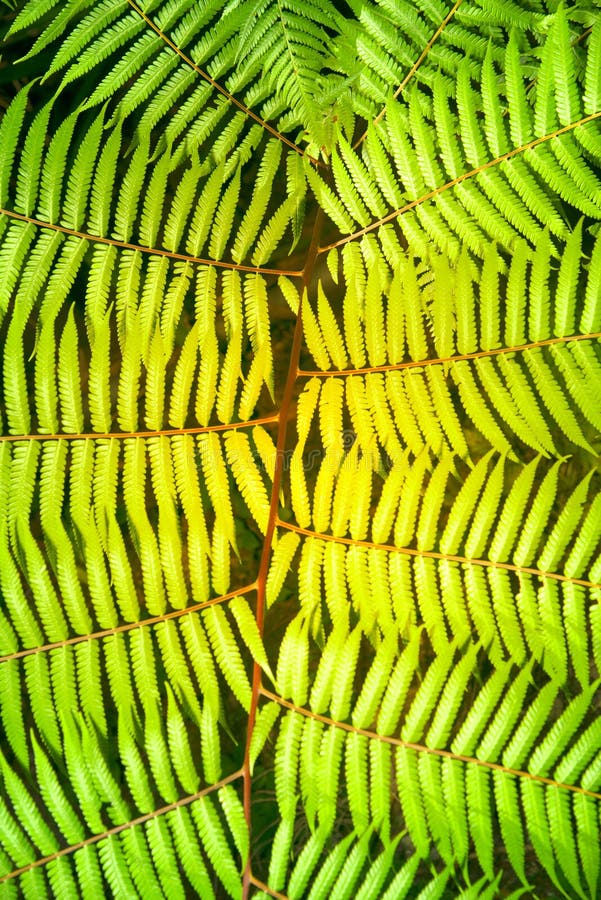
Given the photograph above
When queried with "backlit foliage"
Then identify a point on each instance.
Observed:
(300, 557)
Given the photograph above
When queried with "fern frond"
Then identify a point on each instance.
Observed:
(427, 589)
(215, 841)
(249, 632)
(226, 652)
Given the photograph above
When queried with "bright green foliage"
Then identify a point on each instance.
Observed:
(300, 556)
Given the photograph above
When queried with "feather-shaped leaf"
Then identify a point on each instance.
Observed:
(419, 532)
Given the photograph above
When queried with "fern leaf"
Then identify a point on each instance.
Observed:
(592, 85)
(292, 671)
(216, 846)
(375, 876)
(374, 686)
(382, 169)
(114, 865)
(198, 648)
(88, 869)
(537, 518)
(309, 768)
(538, 827)
(401, 883)
(280, 852)
(361, 178)
(27, 187)
(186, 479)
(411, 799)
(281, 562)
(179, 745)
(584, 814)
(161, 764)
(234, 813)
(286, 767)
(330, 868)
(189, 852)
(256, 209)
(226, 653)
(249, 632)
(352, 867)
(220, 558)
(216, 480)
(266, 719)
(565, 314)
(9, 135)
(305, 864)
(162, 852)
(356, 773)
(329, 765)
(335, 583)
(30, 13)
(435, 170)
(248, 477)
(210, 744)
(137, 776)
(330, 202)
(52, 792)
(566, 89)
(478, 800)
